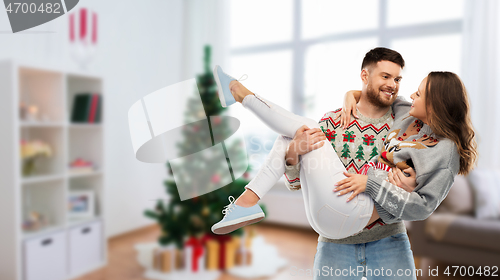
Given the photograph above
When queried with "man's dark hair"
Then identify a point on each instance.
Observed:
(378, 54)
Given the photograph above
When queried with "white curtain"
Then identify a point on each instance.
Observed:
(481, 75)
(205, 22)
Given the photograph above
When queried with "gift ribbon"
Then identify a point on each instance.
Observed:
(330, 134)
(348, 136)
(369, 139)
(197, 252)
(223, 239)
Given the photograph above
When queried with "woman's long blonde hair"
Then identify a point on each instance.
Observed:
(448, 114)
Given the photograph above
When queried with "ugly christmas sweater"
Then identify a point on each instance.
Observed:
(356, 145)
(361, 141)
(436, 161)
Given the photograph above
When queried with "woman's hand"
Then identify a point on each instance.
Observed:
(354, 183)
(406, 182)
(350, 100)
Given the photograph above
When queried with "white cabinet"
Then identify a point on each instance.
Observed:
(55, 246)
(85, 248)
(45, 257)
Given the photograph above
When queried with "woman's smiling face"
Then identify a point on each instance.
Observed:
(418, 108)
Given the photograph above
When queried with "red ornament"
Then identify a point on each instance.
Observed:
(215, 179)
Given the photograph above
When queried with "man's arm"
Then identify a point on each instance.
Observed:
(292, 155)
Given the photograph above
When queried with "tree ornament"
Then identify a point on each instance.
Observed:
(206, 211)
(215, 178)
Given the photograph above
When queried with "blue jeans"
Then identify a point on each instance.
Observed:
(388, 258)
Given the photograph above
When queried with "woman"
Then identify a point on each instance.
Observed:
(433, 134)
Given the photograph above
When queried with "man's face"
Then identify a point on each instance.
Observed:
(383, 83)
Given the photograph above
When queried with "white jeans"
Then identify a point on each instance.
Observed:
(328, 214)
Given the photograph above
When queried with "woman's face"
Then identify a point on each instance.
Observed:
(418, 109)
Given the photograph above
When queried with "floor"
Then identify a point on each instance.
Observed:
(297, 245)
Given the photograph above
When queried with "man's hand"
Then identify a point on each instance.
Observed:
(305, 140)
(398, 178)
(354, 183)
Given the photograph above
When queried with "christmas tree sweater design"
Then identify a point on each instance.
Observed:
(362, 140)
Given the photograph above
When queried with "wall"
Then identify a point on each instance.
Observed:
(140, 50)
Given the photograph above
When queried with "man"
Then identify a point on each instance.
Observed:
(380, 251)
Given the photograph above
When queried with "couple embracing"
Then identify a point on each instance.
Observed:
(357, 203)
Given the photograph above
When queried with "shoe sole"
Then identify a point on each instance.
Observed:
(219, 87)
(232, 227)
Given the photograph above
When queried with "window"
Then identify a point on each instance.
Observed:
(305, 54)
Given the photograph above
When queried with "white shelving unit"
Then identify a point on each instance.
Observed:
(66, 248)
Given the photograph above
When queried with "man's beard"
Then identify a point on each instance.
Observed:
(375, 98)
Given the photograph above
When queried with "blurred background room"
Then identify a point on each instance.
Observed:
(75, 203)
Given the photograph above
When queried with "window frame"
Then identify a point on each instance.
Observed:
(383, 32)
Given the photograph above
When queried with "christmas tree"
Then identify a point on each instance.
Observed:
(360, 155)
(194, 217)
(345, 151)
(374, 152)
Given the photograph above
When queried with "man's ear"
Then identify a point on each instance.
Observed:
(364, 76)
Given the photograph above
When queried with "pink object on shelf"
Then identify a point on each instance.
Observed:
(80, 162)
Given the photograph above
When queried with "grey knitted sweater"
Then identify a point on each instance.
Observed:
(436, 161)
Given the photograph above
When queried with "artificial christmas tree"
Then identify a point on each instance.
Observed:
(193, 218)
